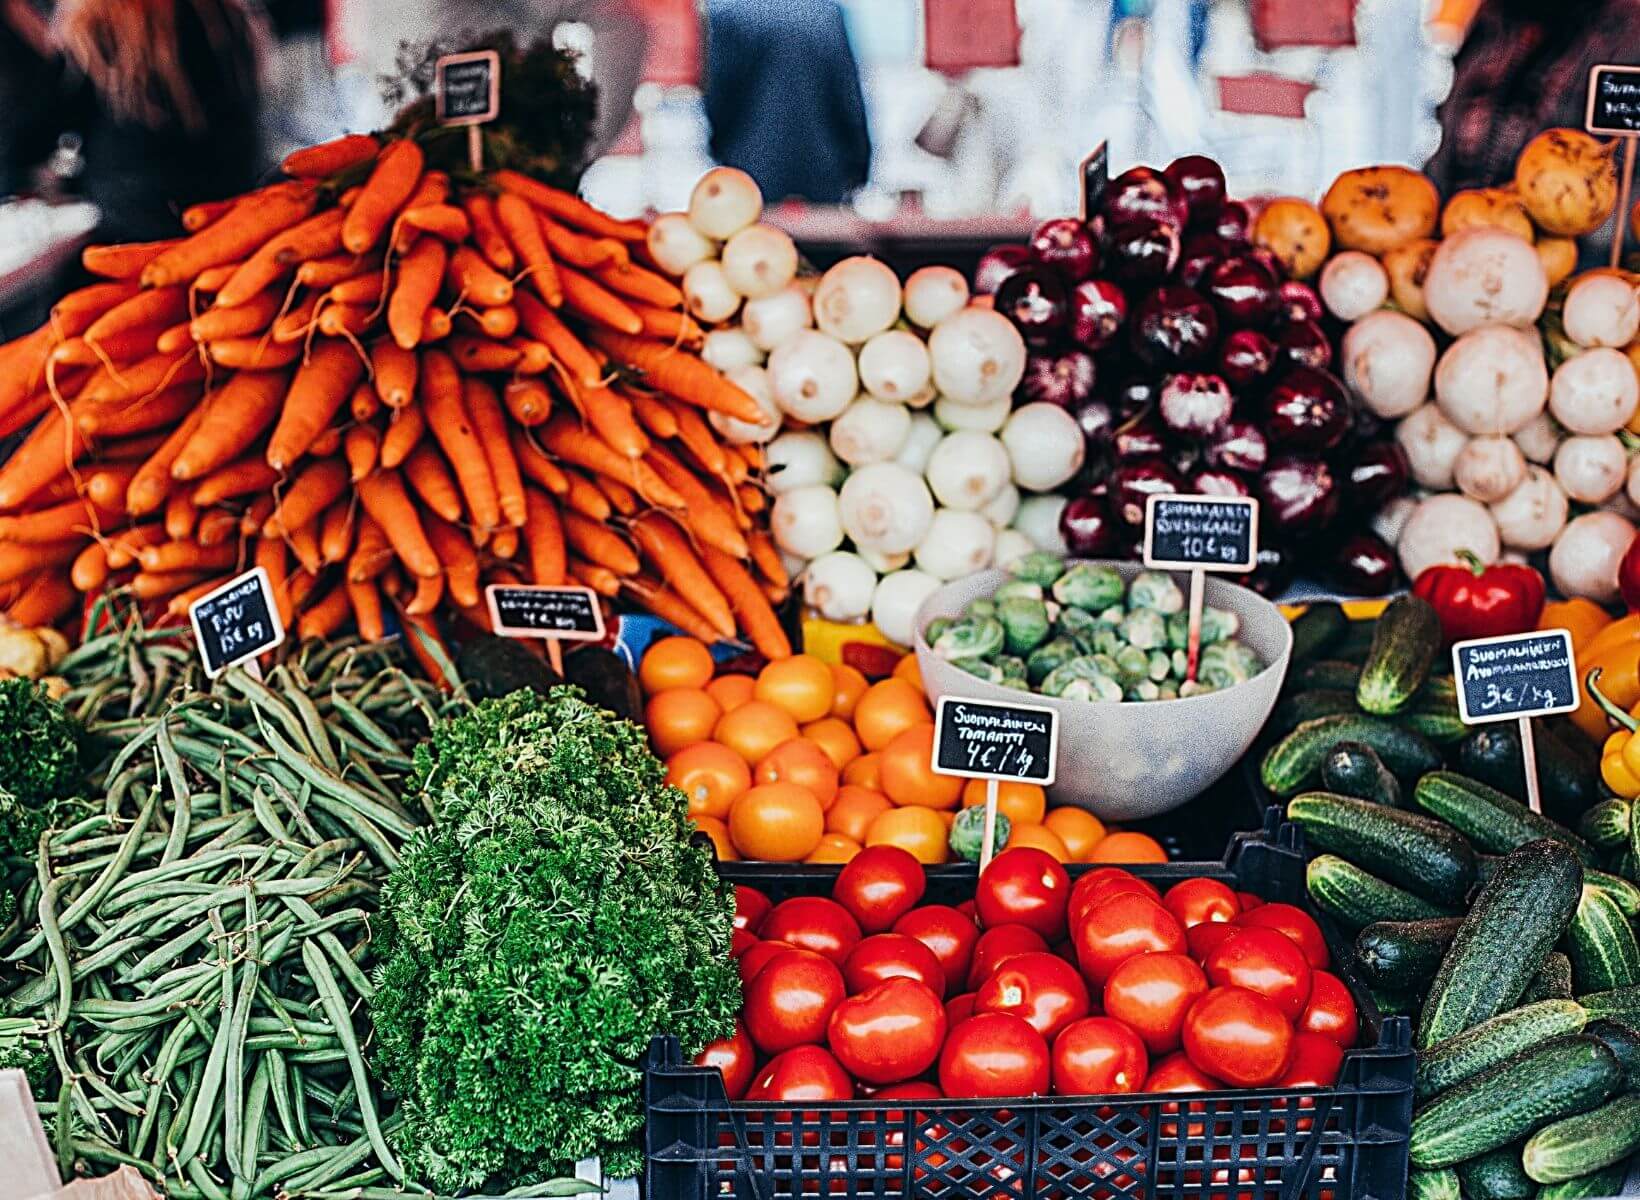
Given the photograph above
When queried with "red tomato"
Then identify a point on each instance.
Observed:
(1198, 900)
(889, 955)
(1152, 993)
(1122, 926)
(1238, 1035)
(735, 1056)
(740, 941)
(1101, 883)
(759, 956)
(1295, 923)
(966, 908)
(1314, 1062)
(813, 923)
(802, 1073)
(1043, 989)
(1206, 938)
(1176, 1073)
(1024, 886)
(895, 1118)
(751, 906)
(1266, 962)
(948, 933)
(880, 885)
(994, 1054)
(1249, 901)
(1097, 1056)
(790, 1001)
(996, 946)
(1330, 1010)
(958, 1009)
(889, 1033)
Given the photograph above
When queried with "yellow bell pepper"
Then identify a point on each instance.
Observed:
(1620, 754)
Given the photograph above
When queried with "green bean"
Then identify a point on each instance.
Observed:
(164, 953)
(62, 839)
(292, 1165)
(264, 701)
(330, 785)
(279, 1085)
(180, 1035)
(216, 1065)
(339, 1164)
(181, 798)
(52, 934)
(234, 1110)
(332, 947)
(256, 1107)
(204, 1180)
(330, 996)
(99, 1085)
(318, 733)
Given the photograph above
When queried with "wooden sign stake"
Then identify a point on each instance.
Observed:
(1613, 110)
(1193, 650)
(981, 739)
(1514, 678)
(1620, 220)
(475, 149)
(1200, 534)
(467, 91)
(1528, 758)
(989, 844)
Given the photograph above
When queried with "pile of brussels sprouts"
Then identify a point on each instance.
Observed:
(1068, 630)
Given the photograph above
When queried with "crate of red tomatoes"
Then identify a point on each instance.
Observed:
(1037, 1032)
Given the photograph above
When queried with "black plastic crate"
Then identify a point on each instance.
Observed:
(1344, 1143)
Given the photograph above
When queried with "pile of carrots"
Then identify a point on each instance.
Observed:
(389, 391)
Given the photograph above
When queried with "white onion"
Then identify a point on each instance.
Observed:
(1601, 309)
(1585, 556)
(1045, 445)
(886, 507)
(1432, 444)
(1441, 526)
(919, 443)
(899, 596)
(983, 418)
(978, 356)
(1594, 392)
(967, 469)
(1483, 275)
(1038, 519)
(1388, 358)
(870, 430)
(676, 245)
(1489, 468)
(1591, 470)
(894, 365)
(857, 298)
(771, 320)
(1011, 545)
(759, 260)
(957, 543)
(934, 293)
(813, 376)
(839, 586)
(1492, 380)
(754, 381)
(1388, 521)
(1353, 284)
(726, 349)
(883, 563)
(1530, 516)
(1538, 439)
(707, 293)
(1001, 508)
(806, 522)
(724, 202)
(800, 458)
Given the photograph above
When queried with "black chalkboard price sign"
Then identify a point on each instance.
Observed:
(1614, 101)
(1201, 533)
(1518, 675)
(569, 614)
(236, 622)
(1095, 179)
(980, 739)
(467, 88)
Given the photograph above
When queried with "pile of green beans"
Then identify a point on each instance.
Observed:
(195, 950)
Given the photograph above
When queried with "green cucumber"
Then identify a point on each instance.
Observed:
(1465, 1055)
(1552, 982)
(1493, 822)
(1403, 954)
(1393, 1003)
(1308, 705)
(1409, 849)
(1355, 643)
(1602, 946)
(1443, 726)
(1623, 1041)
(1354, 769)
(1569, 783)
(1574, 1146)
(1623, 892)
(1606, 825)
(1404, 645)
(1497, 1175)
(1512, 926)
(1557, 1079)
(1357, 899)
(1433, 1185)
(1294, 761)
(1620, 1004)
(1317, 628)
(1328, 675)
(1596, 1185)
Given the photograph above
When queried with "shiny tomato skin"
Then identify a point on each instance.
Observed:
(1249, 901)
(1151, 993)
(958, 1009)
(1024, 886)
(996, 946)
(949, 933)
(1264, 961)
(813, 923)
(790, 1001)
(1101, 883)
(1207, 937)
(800, 1074)
(1237, 1035)
(1098, 1056)
(1043, 989)
(880, 885)
(759, 956)
(889, 955)
(1196, 900)
(1314, 1061)
(888, 1033)
(735, 1056)
(994, 1054)
(1295, 923)
(1122, 926)
(1330, 1010)
(751, 906)
(966, 908)
(740, 941)
(1176, 1073)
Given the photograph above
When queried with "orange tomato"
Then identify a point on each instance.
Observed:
(910, 670)
(1079, 829)
(804, 763)
(675, 662)
(801, 684)
(710, 775)
(680, 717)
(950, 819)
(834, 848)
(776, 822)
(918, 831)
(847, 686)
(855, 808)
(731, 691)
(754, 729)
(889, 708)
(1021, 803)
(1040, 837)
(836, 738)
(908, 778)
(719, 833)
(1125, 846)
(865, 771)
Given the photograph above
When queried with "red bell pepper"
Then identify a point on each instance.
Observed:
(1475, 601)
(1628, 576)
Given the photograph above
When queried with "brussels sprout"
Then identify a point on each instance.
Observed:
(1054, 610)
(1219, 625)
(1195, 687)
(1134, 665)
(1013, 672)
(979, 668)
(1112, 615)
(1145, 628)
(1047, 656)
(1167, 690)
(1101, 689)
(1156, 590)
(1105, 664)
(1181, 663)
(1145, 689)
(1159, 665)
(1025, 623)
(967, 836)
(1038, 566)
(1238, 662)
(1089, 586)
(1063, 681)
(1217, 676)
(970, 638)
(1018, 587)
(1071, 619)
(936, 627)
(982, 608)
(1178, 631)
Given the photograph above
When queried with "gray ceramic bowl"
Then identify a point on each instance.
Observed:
(1125, 762)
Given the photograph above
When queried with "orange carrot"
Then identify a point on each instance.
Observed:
(653, 413)
(542, 324)
(90, 570)
(490, 423)
(48, 598)
(25, 414)
(180, 515)
(187, 556)
(642, 284)
(585, 499)
(544, 533)
(403, 433)
(173, 338)
(432, 189)
(523, 230)
(751, 606)
(361, 289)
(621, 498)
(314, 490)
(419, 275)
(347, 320)
(670, 325)
(436, 327)
(124, 347)
(766, 558)
(366, 602)
(21, 560)
(697, 438)
(317, 392)
(680, 374)
(428, 475)
(152, 483)
(537, 466)
(500, 322)
(669, 606)
(242, 231)
(234, 417)
(475, 280)
(599, 544)
(708, 520)
(572, 444)
(300, 585)
(145, 378)
(598, 304)
(45, 454)
(106, 484)
(391, 182)
(315, 238)
(336, 532)
(504, 542)
(487, 234)
(124, 261)
(751, 498)
(571, 209)
(124, 546)
(372, 553)
(536, 356)
(270, 555)
(421, 638)
(600, 579)
(665, 545)
(482, 355)
(360, 445)
(529, 401)
(447, 419)
(610, 416)
(331, 269)
(72, 518)
(299, 322)
(253, 354)
(260, 509)
(157, 585)
(74, 313)
(211, 279)
(441, 220)
(180, 602)
(429, 590)
(158, 306)
(364, 404)
(324, 617)
(395, 371)
(457, 555)
(217, 527)
(579, 250)
(329, 158)
(253, 316)
(196, 216)
(303, 541)
(243, 477)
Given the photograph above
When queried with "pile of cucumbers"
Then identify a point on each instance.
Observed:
(1505, 936)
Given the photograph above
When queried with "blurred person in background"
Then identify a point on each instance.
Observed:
(783, 98)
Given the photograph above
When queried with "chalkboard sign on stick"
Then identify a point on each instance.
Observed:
(236, 622)
(467, 88)
(1209, 533)
(1095, 179)
(981, 739)
(1515, 678)
(569, 614)
(1614, 109)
